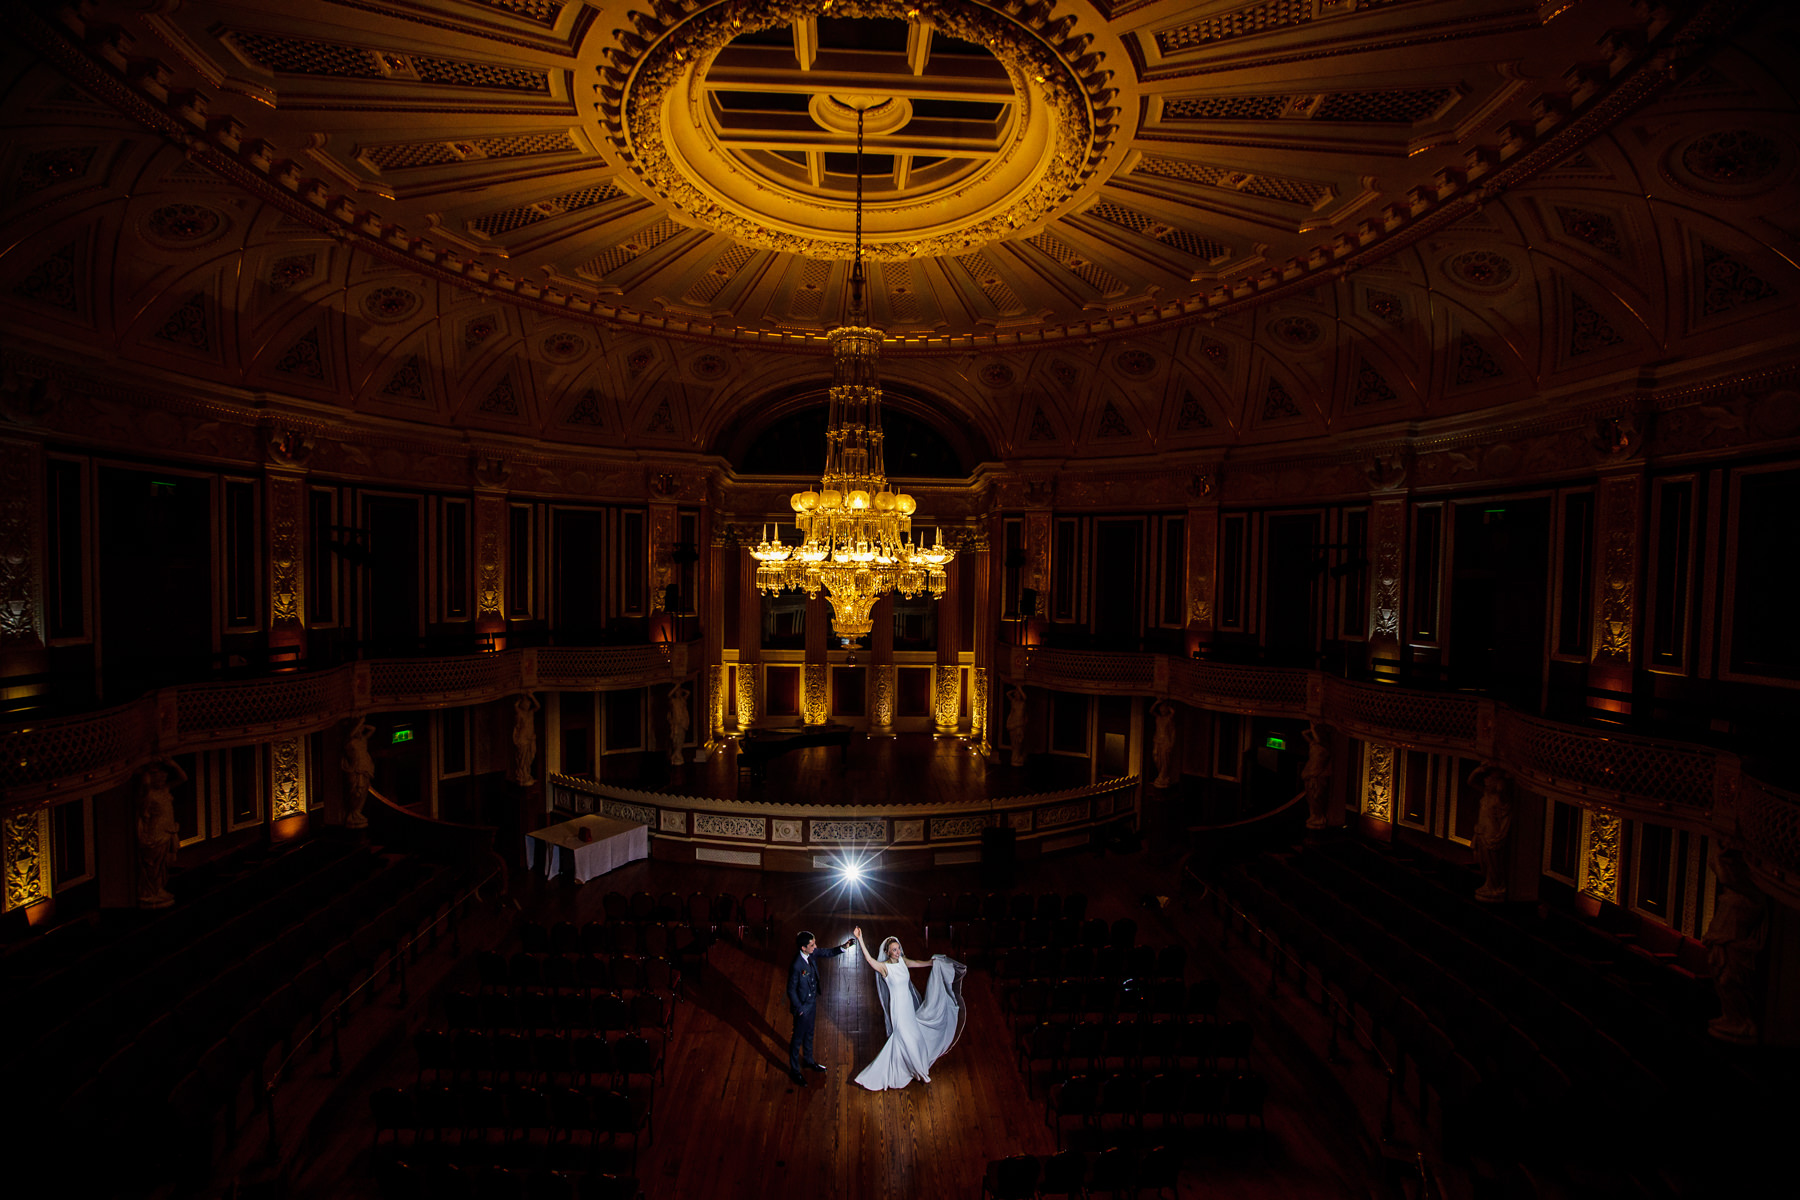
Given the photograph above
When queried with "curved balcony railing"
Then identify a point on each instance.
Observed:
(775, 836)
(1643, 778)
(41, 760)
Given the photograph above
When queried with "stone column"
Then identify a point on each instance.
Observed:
(978, 573)
(1618, 529)
(815, 703)
(720, 547)
(882, 697)
(1387, 559)
(946, 700)
(749, 673)
(23, 635)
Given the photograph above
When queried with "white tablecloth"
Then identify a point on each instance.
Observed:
(614, 843)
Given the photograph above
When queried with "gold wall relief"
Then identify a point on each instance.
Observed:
(1037, 554)
(662, 548)
(947, 697)
(25, 843)
(1378, 781)
(749, 679)
(881, 711)
(978, 709)
(1618, 531)
(490, 561)
(1387, 543)
(287, 778)
(21, 545)
(287, 549)
(715, 698)
(814, 707)
(1600, 861)
(1202, 551)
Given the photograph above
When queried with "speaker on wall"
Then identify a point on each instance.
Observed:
(1028, 602)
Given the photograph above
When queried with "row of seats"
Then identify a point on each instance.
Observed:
(411, 1179)
(475, 1117)
(535, 1010)
(1073, 1000)
(574, 1059)
(998, 906)
(596, 972)
(982, 939)
(182, 1079)
(668, 938)
(1103, 1105)
(1142, 963)
(1071, 1173)
(1131, 1046)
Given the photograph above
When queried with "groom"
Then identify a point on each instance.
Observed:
(803, 996)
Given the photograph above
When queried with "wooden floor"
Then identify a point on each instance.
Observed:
(729, 1123)
(907, 769)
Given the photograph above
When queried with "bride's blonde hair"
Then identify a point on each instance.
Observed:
(886, 942)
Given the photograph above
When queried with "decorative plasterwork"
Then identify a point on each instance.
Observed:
(1057, 102)
(25, 841)
(1616, 579)
(21, 545)
(287, 778)
(1378, 781)
(1600, 858)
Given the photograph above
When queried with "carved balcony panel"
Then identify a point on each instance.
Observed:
(91, 750)
(620, 666)
(1399, 715)
(1609, 769)
(257, 706)
(1263, 691)
(427, 682)
(1090, 670)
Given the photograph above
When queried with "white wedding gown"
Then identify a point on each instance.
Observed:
(919, 1031)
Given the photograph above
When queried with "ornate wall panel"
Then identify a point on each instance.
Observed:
(881, 714)
(715, 699)
(749, 693)
(947, 697)
(1378, 781)
(287, 778)
(21, 546)
(847, 831)
(1619, 528)
(1600, 860)
(978, 708)
(716, 825)
(25, 837)
(286, 499)
(815, 706)
(490, 562)
(1387, 553)
(1202, 551)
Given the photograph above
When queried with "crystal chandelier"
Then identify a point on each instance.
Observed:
(857, 541)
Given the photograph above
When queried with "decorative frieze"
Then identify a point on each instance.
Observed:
(1019, 821)
(718, 825)
(618, 810)
(674, 821)
(1062, 814)
(785, 831)
(872, 830)
(947, 828)
(909, 831)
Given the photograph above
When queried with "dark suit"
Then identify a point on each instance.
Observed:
(803, 997)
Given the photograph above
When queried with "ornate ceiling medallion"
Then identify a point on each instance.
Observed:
(738, 117)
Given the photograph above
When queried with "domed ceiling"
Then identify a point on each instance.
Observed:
(1094, 228)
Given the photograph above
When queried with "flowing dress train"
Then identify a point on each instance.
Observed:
(920, 1028)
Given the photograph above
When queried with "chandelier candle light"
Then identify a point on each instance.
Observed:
(857, 541)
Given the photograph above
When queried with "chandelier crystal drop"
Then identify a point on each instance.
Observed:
(857, 540)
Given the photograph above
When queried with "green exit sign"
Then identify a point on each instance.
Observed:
(1276, 743)
(402, 734)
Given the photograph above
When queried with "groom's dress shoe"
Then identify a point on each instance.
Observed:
(816, 1066)
(798, 1078)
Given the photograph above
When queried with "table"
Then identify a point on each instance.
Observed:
(613, 844)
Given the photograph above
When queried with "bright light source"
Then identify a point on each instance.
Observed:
(852, 872)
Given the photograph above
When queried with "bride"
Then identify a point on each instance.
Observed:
(920, 1030)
